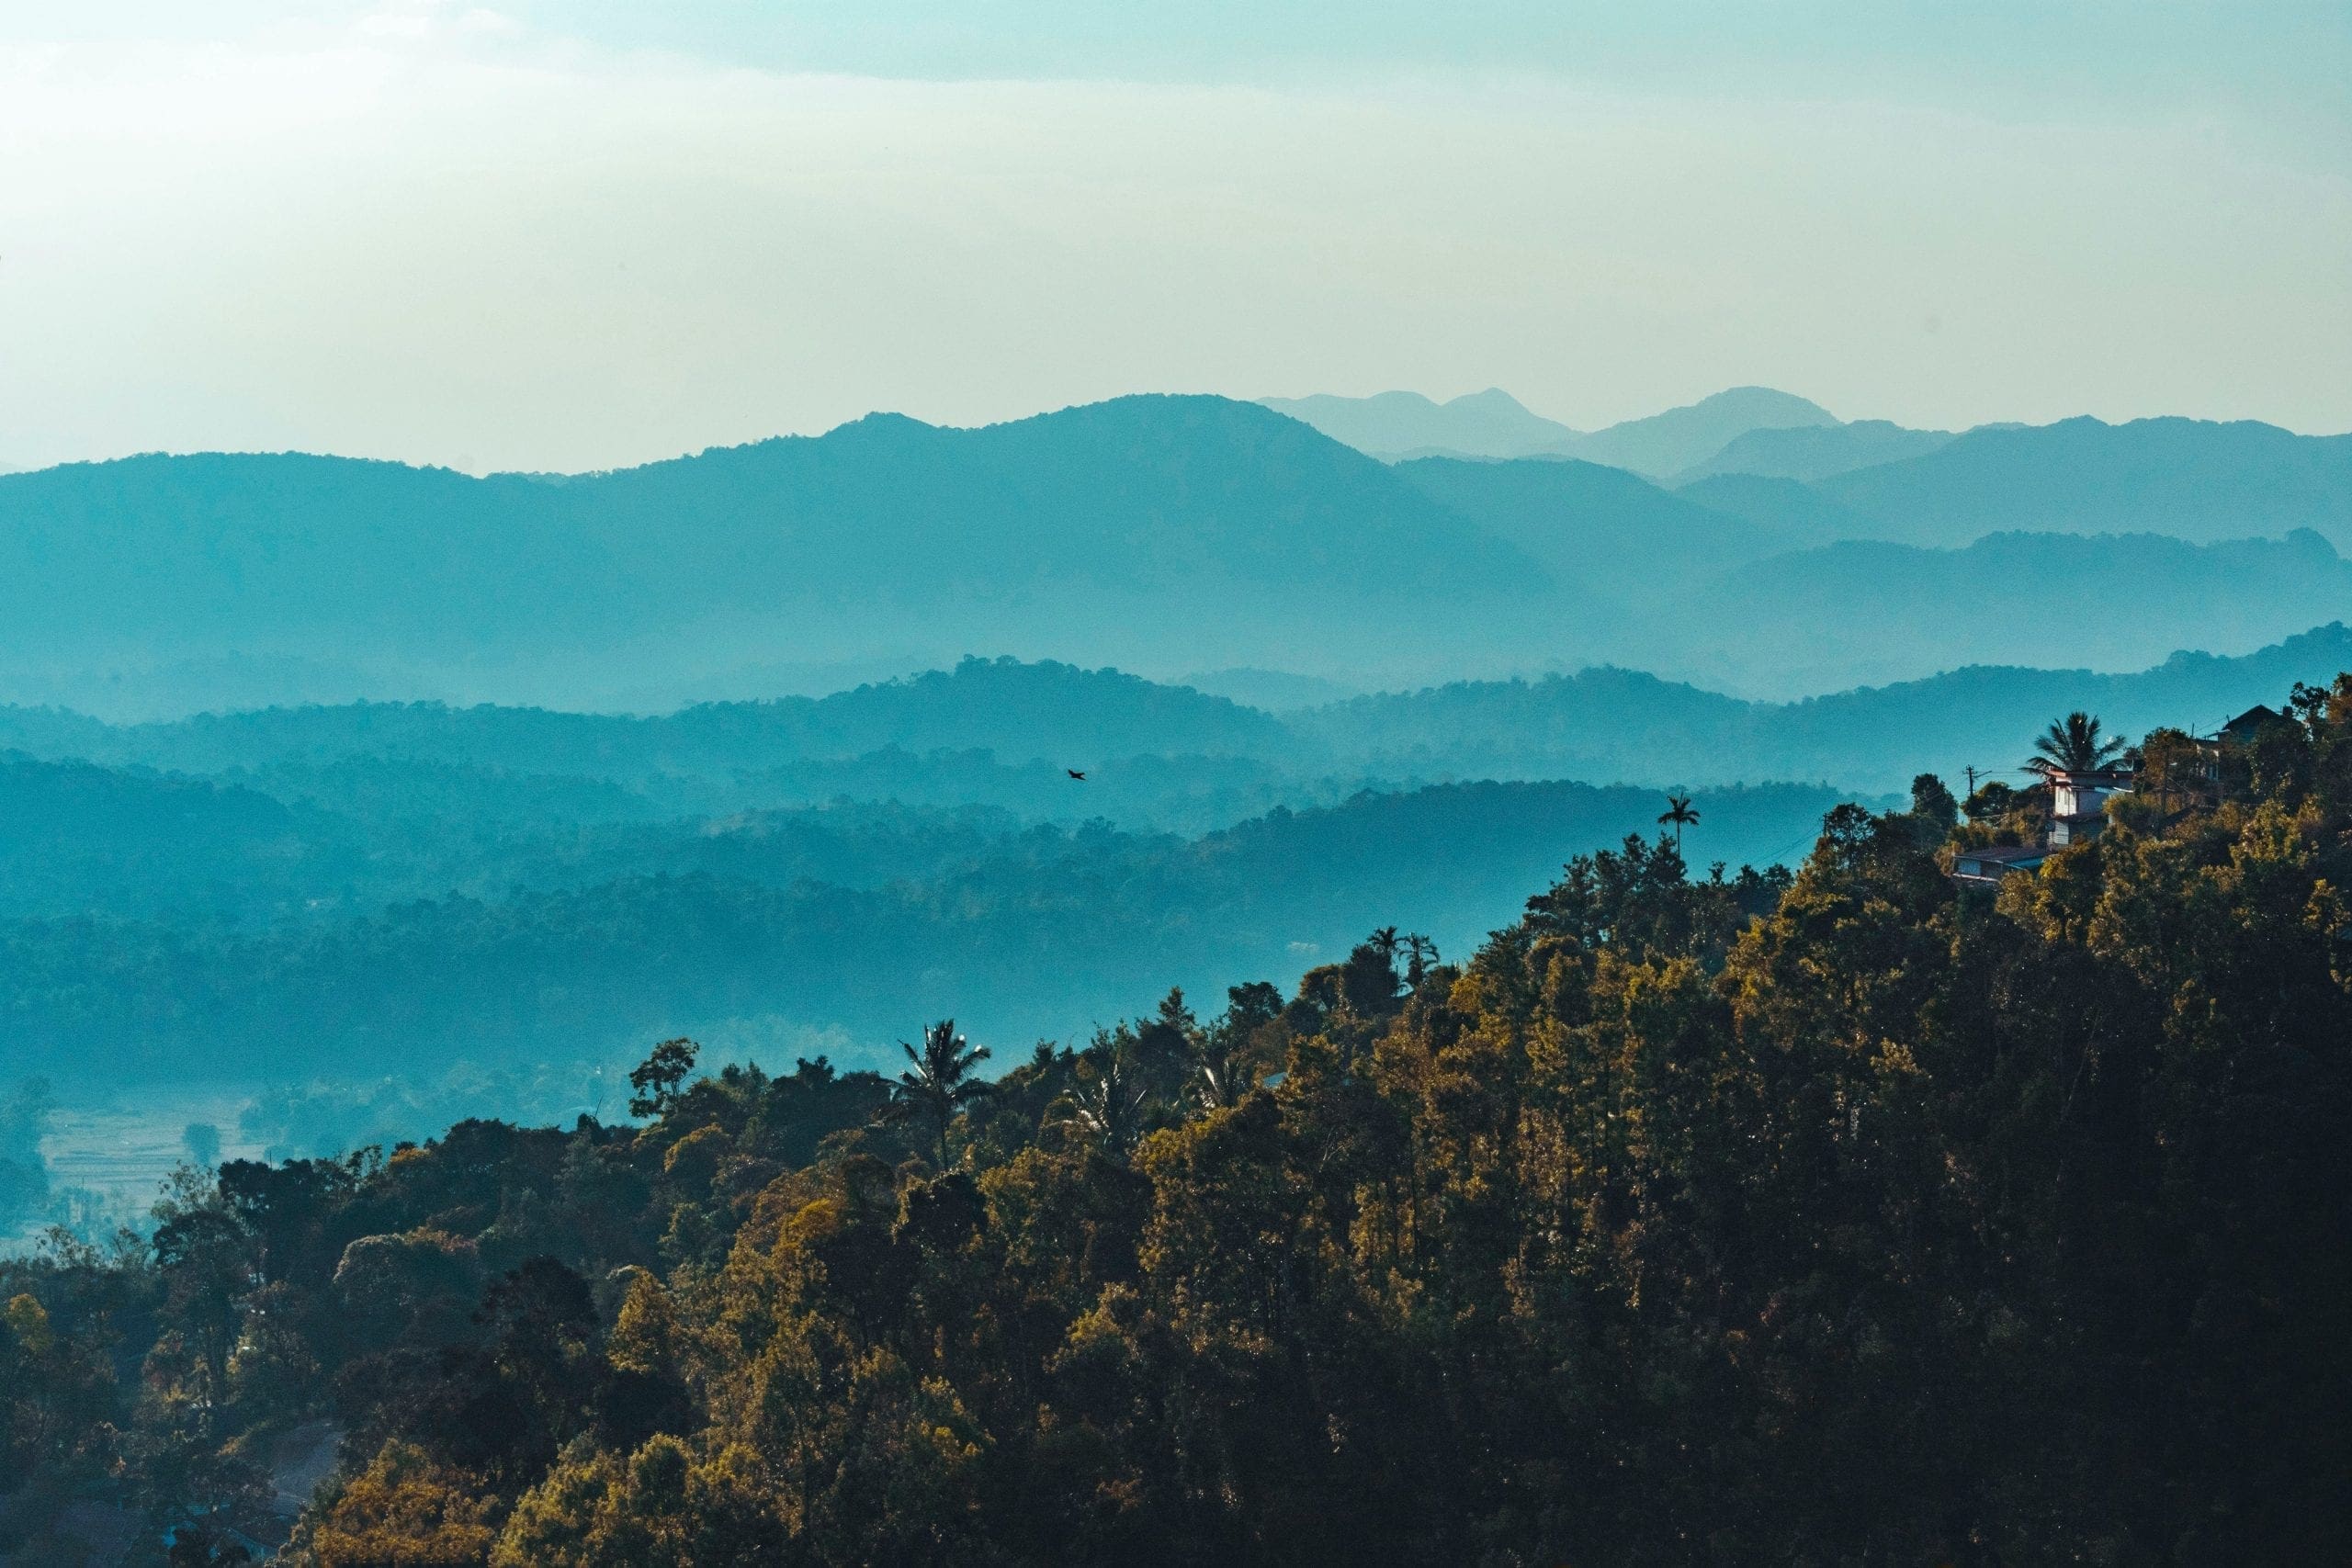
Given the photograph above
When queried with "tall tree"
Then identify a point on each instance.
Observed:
(656, 1079)
(1679, 813)
(940, 1083)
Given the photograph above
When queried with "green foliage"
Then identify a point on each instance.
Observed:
(655, 1080)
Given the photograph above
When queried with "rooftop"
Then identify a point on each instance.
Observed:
(2009, 854)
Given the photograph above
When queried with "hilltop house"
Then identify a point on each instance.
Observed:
(2078, 798)
(2078, 802)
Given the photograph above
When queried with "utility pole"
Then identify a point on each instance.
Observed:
(1971, 772)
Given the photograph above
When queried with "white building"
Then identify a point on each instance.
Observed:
(2078, 802)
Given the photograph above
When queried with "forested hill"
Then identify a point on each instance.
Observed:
(1619, 724)
(1150, 746)
(1848, 1218)
(326, 951)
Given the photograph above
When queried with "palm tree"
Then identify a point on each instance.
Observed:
(1678, 813)
(1107, 1103)
(2073, 745)
(941, 1083)
(1421, 954)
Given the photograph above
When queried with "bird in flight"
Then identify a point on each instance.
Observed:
(1076, 775)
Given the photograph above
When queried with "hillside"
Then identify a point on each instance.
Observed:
(76, 838)
(1782, 507)
(1846, 1216)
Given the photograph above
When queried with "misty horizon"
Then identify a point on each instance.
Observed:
(1018, 416)
(559, 236)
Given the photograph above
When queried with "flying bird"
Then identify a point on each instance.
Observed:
(1076, 775)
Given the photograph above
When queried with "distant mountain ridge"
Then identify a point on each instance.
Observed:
(1608, 724)
(1491, 423)
(1771, 586)
(1201, 527)
(1399, 425)
(1161, 533)
(1603, 527)
(1604, 724)
(1668, 443)
(1814, 451)
(1044, 711)
(2196, 479)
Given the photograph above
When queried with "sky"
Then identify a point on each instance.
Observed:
(571, 234)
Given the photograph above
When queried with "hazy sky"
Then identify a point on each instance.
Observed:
(577, 233)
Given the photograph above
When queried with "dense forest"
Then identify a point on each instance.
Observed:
(315, 948)
(1843, 1218)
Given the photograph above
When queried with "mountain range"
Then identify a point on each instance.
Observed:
(1160, 534)
(1185, 528)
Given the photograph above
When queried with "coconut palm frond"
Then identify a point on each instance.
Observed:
(2073, 745)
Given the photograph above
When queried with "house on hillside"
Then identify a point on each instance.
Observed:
(2222, 758)
(1985, 868)
(2078, 798)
